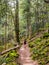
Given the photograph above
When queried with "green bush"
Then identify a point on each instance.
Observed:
(11, 56)
(31, 45)
(41, 29)
(46, 35)
(40, 50)
(37, 40)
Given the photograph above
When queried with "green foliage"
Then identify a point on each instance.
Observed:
(31, 45)
(41, 29)
(2, 59)
(46, 35)
(38, 40)
(12, 63)
(9, 58)
(1, 48)
(12, 55)
(40, 50)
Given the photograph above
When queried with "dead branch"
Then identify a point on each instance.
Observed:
(4, 52)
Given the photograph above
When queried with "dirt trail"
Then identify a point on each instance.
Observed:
(24, 57)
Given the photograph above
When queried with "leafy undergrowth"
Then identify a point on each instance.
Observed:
(40, 49)
(10, 58)
(8, 45)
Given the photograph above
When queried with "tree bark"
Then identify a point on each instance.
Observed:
(16, 23)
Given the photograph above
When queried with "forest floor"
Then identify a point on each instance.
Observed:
(24, 57)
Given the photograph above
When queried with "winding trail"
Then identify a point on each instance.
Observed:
(24, 57)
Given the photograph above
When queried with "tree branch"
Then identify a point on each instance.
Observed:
(4, 52)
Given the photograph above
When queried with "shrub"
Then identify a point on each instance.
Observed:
(12, 55)
(31, 45)
(46, 35)
(37, 40)
(40, 50)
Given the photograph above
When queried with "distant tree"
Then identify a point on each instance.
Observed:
(29, 29)
(27, 16)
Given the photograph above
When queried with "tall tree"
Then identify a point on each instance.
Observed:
(17, 21)
(27, 15)
(29, 19)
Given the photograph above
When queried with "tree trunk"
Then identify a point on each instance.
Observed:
(29, 29)
(17, 21)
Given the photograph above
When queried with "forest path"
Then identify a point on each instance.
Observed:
(24, 57)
